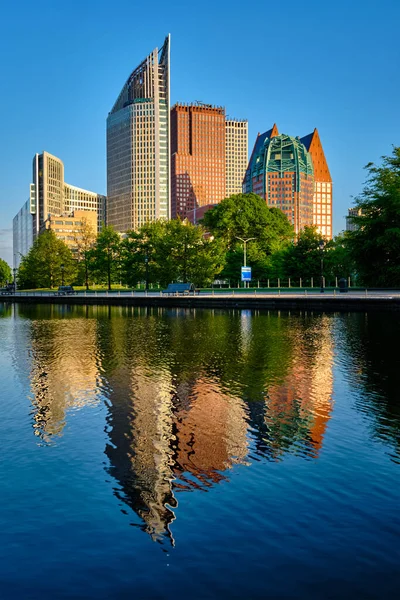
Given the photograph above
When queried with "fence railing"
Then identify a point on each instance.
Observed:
(288, 282)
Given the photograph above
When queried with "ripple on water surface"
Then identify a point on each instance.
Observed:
(252, 447)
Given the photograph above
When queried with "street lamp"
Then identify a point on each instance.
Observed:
(321, 247)
(146, 260)
(62, 273)
(244, 248)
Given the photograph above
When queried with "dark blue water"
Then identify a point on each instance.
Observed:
(201, 454)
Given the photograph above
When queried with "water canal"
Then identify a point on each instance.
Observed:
(153, 453)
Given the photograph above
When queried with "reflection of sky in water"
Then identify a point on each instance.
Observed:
(245, 323)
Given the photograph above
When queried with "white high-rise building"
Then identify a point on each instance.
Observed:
(51, 196)
(236, 143)
(138, 142)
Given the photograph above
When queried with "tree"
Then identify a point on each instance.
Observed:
(248, 216)
(106, 256)
(141, 257)
(303, 257)
(84, 239)
(166, 251)
(47, 264)
(5, 272)
(191, 254)
(375, 244)
(338, 261)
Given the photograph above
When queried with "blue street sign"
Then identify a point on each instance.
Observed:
(246, 273)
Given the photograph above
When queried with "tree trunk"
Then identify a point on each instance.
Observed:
(86, 275)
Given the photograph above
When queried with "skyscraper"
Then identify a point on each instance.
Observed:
(138, 163)
(51, 196)
(291, 173)
(352, 212)
(198, 162)
(281, 171)
(322, 205)
(236, 155)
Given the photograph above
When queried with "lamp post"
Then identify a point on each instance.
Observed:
(244, 249)
(62, 273)
(321, 248)
(146, 260)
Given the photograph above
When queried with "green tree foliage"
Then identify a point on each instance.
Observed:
(338, 261)
(303, 258)
(175, 250)
(140, 247)
(191, 255)
(5, 272)
(84, 240)
(42, 266)
(248, 216)
(375, 245)
(105, 256)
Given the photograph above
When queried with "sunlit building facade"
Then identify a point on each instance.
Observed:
(322, 205)
(236, 155)
(209, 156)
(281, 171)
(350, 224)
(68, 228)
(292, 174)
(138, 159)
(51, 197)
(198, 159)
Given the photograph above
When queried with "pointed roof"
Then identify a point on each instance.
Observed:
(261, 137)
(306, 140)
(140, 84)
(273, 132)
(313, 144)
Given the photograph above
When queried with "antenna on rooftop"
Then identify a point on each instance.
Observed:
(200, 103)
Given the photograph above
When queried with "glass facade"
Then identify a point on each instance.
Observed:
(22, 233)
(138, 164)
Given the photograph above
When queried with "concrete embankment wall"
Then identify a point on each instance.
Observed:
(340, 303)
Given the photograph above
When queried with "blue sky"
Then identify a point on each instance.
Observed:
(330, 65)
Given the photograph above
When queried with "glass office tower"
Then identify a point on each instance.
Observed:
(138, 162)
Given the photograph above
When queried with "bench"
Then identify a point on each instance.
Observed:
(177, 289)
(63, 290)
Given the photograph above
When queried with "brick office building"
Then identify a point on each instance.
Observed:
(198, 164)
(292, 174)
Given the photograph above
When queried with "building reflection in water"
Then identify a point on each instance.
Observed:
(64, 373)
(188, 398)
(181, 416)
(298, 410)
